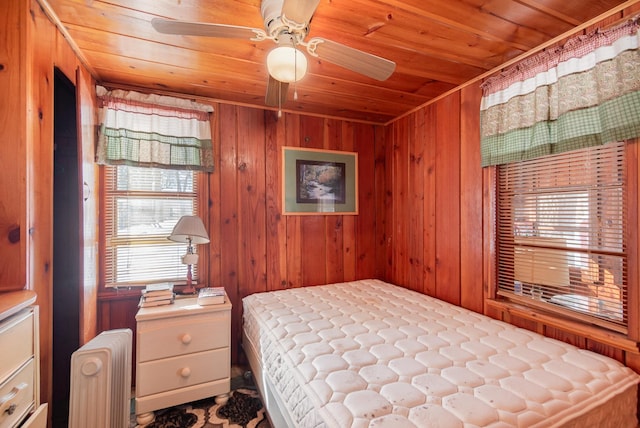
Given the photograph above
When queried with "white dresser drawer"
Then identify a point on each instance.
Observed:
(163, 338)
(179, 372)
(16, 334)
(38, 419)
(16, 395)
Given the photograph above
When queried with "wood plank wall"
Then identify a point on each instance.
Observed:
(29, 138)
(434, 180)
(253, 246)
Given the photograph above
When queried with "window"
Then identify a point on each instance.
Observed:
(141, 207)
(561, 234)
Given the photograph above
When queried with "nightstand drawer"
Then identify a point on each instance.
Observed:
(162, 400)
(180, 372)
(163, 338)
(16, 334)
(16, 395)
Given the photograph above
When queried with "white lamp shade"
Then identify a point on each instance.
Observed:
(286, 64)
(190, 228)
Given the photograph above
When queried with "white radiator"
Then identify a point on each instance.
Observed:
(101, 381)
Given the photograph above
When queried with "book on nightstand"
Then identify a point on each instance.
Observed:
(146, 303)
(148, 299)
(211, 296)
(161, 289)
(156, 295)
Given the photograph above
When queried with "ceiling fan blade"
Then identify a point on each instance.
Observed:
(353, 59)
(299, 11)
(276, 93)
(186, 28)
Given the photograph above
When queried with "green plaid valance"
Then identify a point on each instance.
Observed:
(153, 131)
(584, 93)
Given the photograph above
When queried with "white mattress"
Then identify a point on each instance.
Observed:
(371, 354)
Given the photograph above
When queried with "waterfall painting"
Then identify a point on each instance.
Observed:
(319, 181)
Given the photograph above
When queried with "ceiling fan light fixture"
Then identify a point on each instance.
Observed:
(286, 64)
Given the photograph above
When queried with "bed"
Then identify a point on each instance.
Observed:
(372, 354)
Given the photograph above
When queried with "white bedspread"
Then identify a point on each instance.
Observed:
(370, 354)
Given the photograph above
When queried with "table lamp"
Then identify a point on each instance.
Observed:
(189, 229)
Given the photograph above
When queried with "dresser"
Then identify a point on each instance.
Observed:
(20, 362)
(182, 354)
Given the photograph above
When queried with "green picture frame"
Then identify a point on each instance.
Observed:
(316, 181)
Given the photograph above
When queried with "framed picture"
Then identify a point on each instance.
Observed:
(319, 181)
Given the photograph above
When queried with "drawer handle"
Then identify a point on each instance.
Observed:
(186, 339)
(185, 372)
(7, 404)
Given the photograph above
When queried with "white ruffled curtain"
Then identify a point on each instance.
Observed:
(153, 131)
(584, 93)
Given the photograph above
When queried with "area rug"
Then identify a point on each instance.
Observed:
(243, 410)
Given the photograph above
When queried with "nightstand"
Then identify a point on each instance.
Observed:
(183, 354)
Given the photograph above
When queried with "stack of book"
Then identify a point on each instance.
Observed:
(211, 296)
(157, 295)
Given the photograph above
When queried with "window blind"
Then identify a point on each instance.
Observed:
(142, 205)
(561, 234)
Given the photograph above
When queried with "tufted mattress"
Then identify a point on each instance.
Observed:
(371, 354)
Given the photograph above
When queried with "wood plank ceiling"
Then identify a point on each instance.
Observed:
(436, 44)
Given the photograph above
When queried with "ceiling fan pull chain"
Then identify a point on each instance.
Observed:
(279, 99)
(295, 72)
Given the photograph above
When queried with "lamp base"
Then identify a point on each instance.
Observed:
(185, 289)
(188, 288)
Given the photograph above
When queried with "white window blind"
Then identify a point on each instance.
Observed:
(561, 234)
(142, 205)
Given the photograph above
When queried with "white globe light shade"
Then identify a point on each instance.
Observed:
(286, 64)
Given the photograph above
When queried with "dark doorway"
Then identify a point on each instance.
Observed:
(67, 230)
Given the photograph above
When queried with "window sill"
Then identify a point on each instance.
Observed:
(597, 334)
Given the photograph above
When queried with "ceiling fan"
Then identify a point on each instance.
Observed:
(286, 23)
